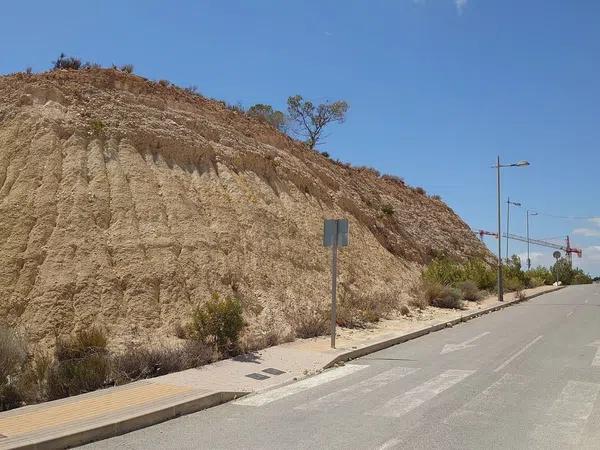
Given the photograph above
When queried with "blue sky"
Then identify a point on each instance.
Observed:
(437, 88)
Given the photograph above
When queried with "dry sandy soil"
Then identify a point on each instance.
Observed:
(124, 203)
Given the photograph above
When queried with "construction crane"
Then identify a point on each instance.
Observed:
(482, 233)
(567, 249)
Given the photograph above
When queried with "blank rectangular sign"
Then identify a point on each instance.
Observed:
(333, 226)
(329, 228)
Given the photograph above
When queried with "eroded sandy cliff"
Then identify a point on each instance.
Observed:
(124, 203)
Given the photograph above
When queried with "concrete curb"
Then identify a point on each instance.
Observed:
(389, 342)
(103, 429)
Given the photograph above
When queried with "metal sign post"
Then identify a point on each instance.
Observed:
(335, 234)
(557, 256)
(333, 291)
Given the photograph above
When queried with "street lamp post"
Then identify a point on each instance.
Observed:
(508, 203)
(529, 213)
(498, 166)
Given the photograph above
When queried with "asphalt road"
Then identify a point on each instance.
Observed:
(524, 377)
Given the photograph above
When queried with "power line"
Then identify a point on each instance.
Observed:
(555, 216)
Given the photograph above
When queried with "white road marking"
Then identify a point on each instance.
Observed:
(565, 420)
(587, 300)
(402, 404)
(596, 360)
(389, 444)
(356, 390)
(466, 344)
(570, 313)
(291, 389)
(516, 355)
(491, 403)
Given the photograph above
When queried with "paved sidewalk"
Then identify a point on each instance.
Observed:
(113, 411)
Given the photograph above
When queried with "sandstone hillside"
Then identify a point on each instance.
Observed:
(124, 202)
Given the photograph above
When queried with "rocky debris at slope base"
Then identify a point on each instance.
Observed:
(124, 202)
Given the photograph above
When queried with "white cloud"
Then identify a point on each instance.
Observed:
(587, 232)
(590, 262)
(460, 5)
(592, 253)
(593, 231)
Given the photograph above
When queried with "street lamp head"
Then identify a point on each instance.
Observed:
(516, 204)
(521, 163)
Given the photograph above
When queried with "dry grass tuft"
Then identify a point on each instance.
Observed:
(418, 301)
(360, 309)
(13, 353)
(252, 342)
(442, 296)
(393, 179)
(84, 342)
(520, 295)
(405, 310)
(469, 290)
(431, 293)
(138, 363)
(34, 381)
(310, 322)
(82, 364)
(512, 283)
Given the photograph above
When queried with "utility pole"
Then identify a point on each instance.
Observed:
(507, 225)
(500, 287)
(498, 166)
(508, 203)
(529, 213)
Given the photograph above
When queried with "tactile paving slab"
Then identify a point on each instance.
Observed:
(273, 371)
(257, 376)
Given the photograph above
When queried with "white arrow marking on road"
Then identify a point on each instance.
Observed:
(596, 361)
(469, 343)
